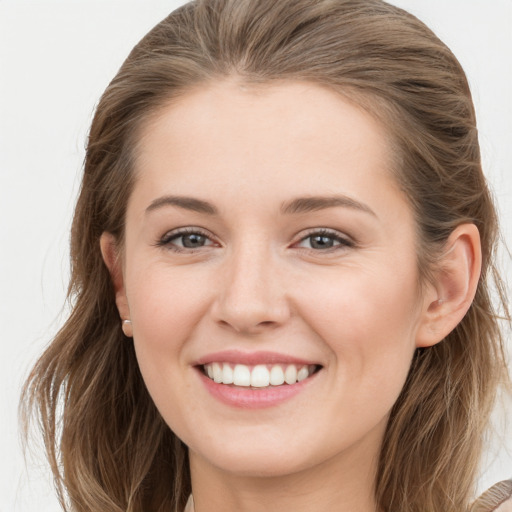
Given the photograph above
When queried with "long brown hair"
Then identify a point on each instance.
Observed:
(108, 447)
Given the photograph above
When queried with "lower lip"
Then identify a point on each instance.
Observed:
(254, 398)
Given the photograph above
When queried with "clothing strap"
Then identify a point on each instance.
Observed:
(189, 507)
(497, 499)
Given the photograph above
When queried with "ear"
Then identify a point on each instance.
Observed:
(113, 261)
(449, 297)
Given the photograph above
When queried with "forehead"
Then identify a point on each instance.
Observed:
(277, 139)
(231, 102)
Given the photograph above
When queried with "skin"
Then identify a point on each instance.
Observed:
(258, 284)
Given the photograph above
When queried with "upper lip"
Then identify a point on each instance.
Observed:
(251, 358)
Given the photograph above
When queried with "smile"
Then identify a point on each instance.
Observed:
(258, 376)
(255, 380)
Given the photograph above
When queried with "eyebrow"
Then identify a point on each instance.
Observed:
(315, 203)
(187, 203)
(298, 205)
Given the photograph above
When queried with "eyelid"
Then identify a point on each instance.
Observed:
(345, 240)
(166, 240)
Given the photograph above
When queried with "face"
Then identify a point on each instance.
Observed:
(270, 273)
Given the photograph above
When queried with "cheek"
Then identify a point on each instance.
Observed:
(365, 304)
(165, 304)
(369, 321)
(165, 310)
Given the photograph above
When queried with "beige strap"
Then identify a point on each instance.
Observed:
(189, 507)
(497, 499)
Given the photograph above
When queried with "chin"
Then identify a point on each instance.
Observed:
(260, 465)
(254, 459)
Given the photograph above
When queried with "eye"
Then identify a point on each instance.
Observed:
(324, 240)
(185, 239)
(191, 240)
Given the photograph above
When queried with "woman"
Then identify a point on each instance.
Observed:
(282, 254)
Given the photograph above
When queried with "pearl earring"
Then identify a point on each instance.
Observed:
(127, 328)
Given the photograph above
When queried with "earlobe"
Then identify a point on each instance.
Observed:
(113, 261)
(456, 279)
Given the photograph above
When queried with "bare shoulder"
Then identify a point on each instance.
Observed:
(497, 499)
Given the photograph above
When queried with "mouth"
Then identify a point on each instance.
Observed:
(258, 376)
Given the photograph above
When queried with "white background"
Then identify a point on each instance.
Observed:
(55, 60)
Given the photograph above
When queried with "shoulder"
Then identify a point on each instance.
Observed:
(497, 499)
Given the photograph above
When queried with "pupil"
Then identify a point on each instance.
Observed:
(193, 240)
(321, 242)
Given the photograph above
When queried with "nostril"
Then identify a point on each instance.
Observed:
(266, 323)
(245, 326)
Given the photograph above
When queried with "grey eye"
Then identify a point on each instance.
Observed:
(321, 241)
(191, 240)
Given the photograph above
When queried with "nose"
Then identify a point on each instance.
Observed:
(251, 297)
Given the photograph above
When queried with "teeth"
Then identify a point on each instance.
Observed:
(217, 372)
(302, 374)
(227, 374)
(290, 374)
(242, 375)
(259, 376)
(276, 375)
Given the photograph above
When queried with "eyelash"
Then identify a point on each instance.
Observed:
(343, 242)
(167, 240)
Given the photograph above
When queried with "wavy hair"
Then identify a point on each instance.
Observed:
(108, 446)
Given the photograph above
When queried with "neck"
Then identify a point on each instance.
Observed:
(336, 485)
